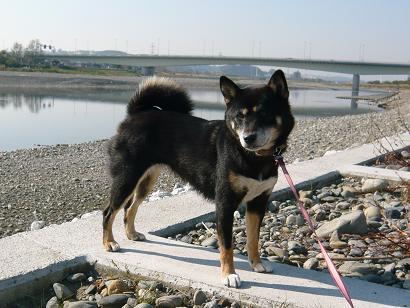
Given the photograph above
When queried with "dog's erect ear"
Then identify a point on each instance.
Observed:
(278, 84)
(229, 89)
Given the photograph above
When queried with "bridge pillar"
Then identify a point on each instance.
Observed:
(355, 90)
(148, 70)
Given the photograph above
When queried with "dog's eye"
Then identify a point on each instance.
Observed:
(240, 115)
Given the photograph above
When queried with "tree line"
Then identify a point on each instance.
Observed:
(20, 56)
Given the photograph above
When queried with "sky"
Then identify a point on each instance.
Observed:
(369, 30)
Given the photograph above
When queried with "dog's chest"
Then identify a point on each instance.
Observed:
(254, 187)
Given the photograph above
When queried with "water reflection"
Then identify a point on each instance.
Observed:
(68, 116)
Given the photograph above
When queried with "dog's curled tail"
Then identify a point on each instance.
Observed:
(162, 94)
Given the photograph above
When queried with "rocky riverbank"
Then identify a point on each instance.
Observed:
(365, 224)
(89, 289)
(59, 183)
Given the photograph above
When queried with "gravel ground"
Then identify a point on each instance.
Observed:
(365, 226)
(91, 289)
(58, 183)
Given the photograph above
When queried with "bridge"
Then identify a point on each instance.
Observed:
(149, 62)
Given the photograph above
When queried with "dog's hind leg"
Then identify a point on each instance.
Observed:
(120, 194)
(254, 214)
(142, 189)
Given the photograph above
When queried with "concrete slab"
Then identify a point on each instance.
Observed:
(27, 256)
(195, 266)
(376, 173)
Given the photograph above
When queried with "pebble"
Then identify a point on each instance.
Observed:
(114, 300)
(351, 223)
(144, 305)
(356, 268)
(311, 263)
(53, 303)
(372, 185)
(199, 297)
(62, 292)
(82, 304)
(210, 242)
(392, 213)
(372, 213)
(406, 284)
(296, 247)
(77, 277)
(169, 301)
(118, 286)
(335, 242)
(37, 225)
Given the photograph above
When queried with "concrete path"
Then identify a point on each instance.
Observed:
(28, 256)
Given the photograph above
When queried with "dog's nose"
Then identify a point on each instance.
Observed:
(250, 138)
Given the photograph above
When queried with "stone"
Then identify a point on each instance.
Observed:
(113, 301)
(320, 215)
(329, 199)
(211, 304)
(82, 304)
(147, 284)
(372, 185)
(132, 302)
(61, 291)
(343, 205)
(311, 263)
(296, 247)
(237, 215)
(356, 252)
(373, 213)
(356, 268)
(305, 194)
(405, 154)
(53, 303)
(235, 305)
(392, 213)
(77, 277)
(92, 288)
(186, 239)
(37, 225)
(169, 301)
(406, 284)
(144, 305)
(276, 251)
(199, 297)
(291, 220)
(118, 286)
(348, 192)
(351, 223)
(273, 206)
(210, 242)
(335, 242)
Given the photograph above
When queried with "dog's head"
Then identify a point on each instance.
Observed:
(259, 117)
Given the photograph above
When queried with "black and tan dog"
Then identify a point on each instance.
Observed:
(228, 161)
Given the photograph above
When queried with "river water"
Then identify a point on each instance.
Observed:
(46, 117)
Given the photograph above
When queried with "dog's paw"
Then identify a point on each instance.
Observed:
(232, 281)
(112, 246)
(263, 267)
(136, 236)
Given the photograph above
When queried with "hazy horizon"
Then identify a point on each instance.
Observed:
(349, 30)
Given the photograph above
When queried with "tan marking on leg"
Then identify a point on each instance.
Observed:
(108, 238)
(142, 189)
(226, 256)
(228, 276)
(252, 244)
(252, 239)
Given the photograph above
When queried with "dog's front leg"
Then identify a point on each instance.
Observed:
(255, 211)
(224, 219)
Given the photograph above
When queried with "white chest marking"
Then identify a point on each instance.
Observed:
(254, 187)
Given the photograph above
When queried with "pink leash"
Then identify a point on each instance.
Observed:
(330, 265)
